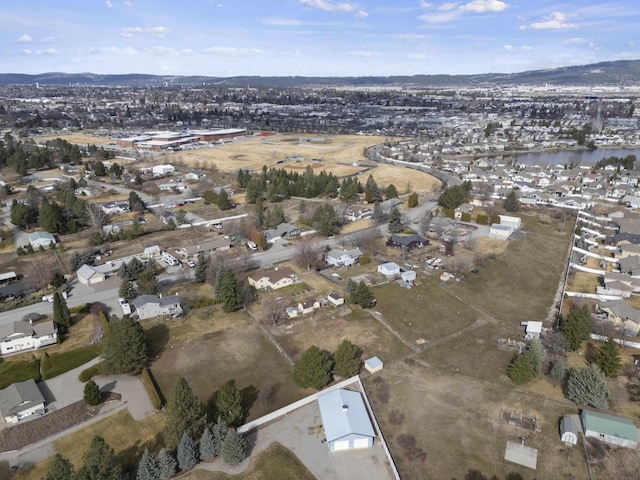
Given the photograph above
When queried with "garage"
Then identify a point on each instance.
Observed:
(345, 420)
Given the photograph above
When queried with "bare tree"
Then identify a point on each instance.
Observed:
(39, 271)
(308, 252)
(622, 463)
(459, 265)
(425, 221)
(274, 311)
(369, 241)
(96, 217)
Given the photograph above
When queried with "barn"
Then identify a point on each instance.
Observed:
(610, 429)
(346, 422)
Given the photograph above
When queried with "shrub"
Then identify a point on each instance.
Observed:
(465, 217)
(364, 259)
(91, 393)
(90, 372)
(152, 389)
(62, 362)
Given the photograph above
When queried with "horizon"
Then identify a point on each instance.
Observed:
(312, 38)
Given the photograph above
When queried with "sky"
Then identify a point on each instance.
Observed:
(225, 38)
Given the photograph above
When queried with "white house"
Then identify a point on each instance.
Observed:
(150, 306)
(21, 400)
(87, 275)
(41, 239)
(345, 419)
(609, 428)
(277, 278)
(343, 258)
(389, 269)
(568, 430)
(23, 335)
(115, 208)
(163, 169)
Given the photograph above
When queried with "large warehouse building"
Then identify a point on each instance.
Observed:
(158, 141)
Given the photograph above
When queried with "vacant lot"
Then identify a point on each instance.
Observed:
(455, 420)
(209, 348)
(276, 462)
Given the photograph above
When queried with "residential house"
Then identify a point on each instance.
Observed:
(408, 242)
(217, 244)
(309, 306)
(150, 306)
(115, 208)
(335, 299)
(389, 269)
(466, 208)
(622, 315)
(158, 170)
(611, 429)
(292, 312)
(277, 278)
(630, 265)
(23, 335)
(619, 284)
(153, 252)
(21, 400)
(343, 258)
(284, 230)
(346, 422)
(88, 275)
(41, 239)
(168, 216)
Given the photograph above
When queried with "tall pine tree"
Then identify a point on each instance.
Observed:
(607, 357)
(186, 414)
(125, 347)
(61, 314)
(148, 468)
(167, 465)
(219, 431)
(207, 445)
(187, 453)
(99, 462)
(59, 469)
(233, 448)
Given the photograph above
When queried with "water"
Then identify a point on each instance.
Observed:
(579, 157)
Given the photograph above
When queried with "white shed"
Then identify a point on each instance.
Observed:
(345, 419)
(373, 364)
(512, 222)
(533, 330)
(499, 232)
(335, 299)
(389, 269)
(569, 430)
(408, 276)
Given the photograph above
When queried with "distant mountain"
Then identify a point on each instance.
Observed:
(621, 72)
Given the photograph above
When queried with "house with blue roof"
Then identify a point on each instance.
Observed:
(346, 421)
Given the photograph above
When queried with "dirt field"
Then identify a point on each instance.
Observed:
(78, 138)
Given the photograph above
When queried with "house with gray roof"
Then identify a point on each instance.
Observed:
(21, 400)
(284, 230)
(41, 239)
(343, 258)
(150, 306)
(622, 315)
(346, 421)
(23, 335)
(619, 431)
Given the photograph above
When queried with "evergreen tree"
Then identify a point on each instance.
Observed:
(577, 326)
(351, 286)
(395, 221)
(219, 431)
(217, 284)
(186, 414)
(313, 369)
(363, 296)
(391, 192)
(587, 386)
(607, 357)
(223, 200)
(512, 203)
(126, 289)
(148, 467)
(91, 394)
(413, 199)
(230, 292)
(187, 453)
(228, 402)
(61, 314)
(202, 265)
(207, 445)
(347, 359)
(233, 449)
(520, 371)
(147, 282)
(60, 469)
(371, 191)
(99, 462)
(135, 202)
(167, 465)
(125, 347)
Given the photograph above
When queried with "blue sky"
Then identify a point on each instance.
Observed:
(313, 37)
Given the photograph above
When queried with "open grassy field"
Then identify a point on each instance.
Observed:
(77, 138)
(127, 437)
(209, 348)
(458, 424)
(274, 463)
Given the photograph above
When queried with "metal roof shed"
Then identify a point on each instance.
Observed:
(346, 422)
(609, 428)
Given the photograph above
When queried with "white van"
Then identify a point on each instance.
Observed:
(252, 245)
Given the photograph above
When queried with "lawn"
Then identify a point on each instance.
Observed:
(209, 348)
(274, 463)
(425, 312)
(127, 437)
(19, 371)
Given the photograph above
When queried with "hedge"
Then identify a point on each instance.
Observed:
(152, 389)
(19, 371)
(79, 309)
(59, 363)
(210, 302)
(88, 373)
(103, 320)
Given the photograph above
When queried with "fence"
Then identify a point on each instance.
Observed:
(595, 296)
(595, 255)
(586, 269)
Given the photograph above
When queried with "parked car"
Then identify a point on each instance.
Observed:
(191, 263)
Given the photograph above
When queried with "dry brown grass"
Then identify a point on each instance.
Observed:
(77, 138)
(489, 246)
(356, 226)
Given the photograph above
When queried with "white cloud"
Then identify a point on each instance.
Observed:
(112, 51)
(24, 39)
(328, 6)
(508, 48)
(555, 21)
(425, 4)
(445, 7)
(108, 3)
(162, 51)
(27, 51)
(128, 4)
(187, 52)
(362, 53)
(481, 6)
(48, 51)
(48, 39)
(362, 14)
(231, 51)
(283, 22)
(156, 32)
